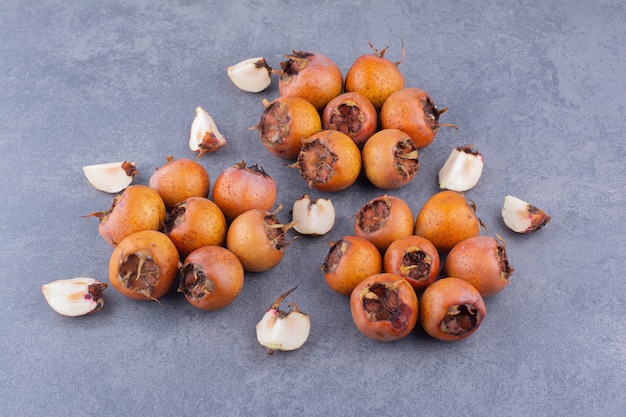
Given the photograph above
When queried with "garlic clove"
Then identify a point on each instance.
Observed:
(280, 330)
(252, 75)
(74, 296)
(522, 217)
(462, 169)
(110, 177)
(205, 137)
(313, 217)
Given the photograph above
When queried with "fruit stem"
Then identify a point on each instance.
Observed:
(402, 58)
(280, 299)
(447, 125)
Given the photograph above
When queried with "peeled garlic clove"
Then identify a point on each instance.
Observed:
(111, 177)
(280, 330)
(252, 75)
(522, 217)
(313, 217)
(462, 169)
(75, 296)
(205, 137)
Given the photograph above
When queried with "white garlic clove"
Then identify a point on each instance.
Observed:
(313, 217)
(252, 75)
(110, 177)
(205, 137)
(462, 169)
(522, 217)
(74, 296)
(280, 330)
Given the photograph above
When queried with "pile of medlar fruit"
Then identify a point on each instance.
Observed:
(318, 112)
(171, 229)
(399, 268)
(392, 268)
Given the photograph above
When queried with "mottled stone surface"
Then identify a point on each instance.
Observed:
(538, 86)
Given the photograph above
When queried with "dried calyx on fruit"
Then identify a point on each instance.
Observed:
(252, 75)
(111, 177)
(375, 76)
(384, 307)
(243, 187)
(74, 296)
(522, 217)
(353, 114)
(451, 309)
(383, 220)
(311, 76)
(482, 261)
(313, 217)
(137, 208)
(285, 122)
(283, 330)
(415, 259)
(390, 159)
(258, 239)
(462, 169)
(413, 111)
(329, 161)
(144, 265)
(205, 137)
(349, 261)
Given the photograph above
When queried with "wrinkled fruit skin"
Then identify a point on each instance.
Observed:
(447, 219)
(329, 161)
(353, 114)
(384, 307)
(390, 159)
(180, 179)
(211, 278)
(144, 265)
(415, 259)
(375, 77)
(451, 309)
(285, 123)
(482, 261)
(311, 76)
(137, 208)
(413, 111)
(349, 261)
(241, 188)
(383, 220)
(194, 223)
(258, 240)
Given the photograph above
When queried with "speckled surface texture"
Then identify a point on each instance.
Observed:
(538, 86)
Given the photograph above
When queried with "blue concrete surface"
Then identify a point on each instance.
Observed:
(538, 86)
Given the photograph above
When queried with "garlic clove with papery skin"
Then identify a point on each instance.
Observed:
(75, 296)
(313, 217)
(111, 177)
(522, 217)
(205, 137)
(462, 169)
(252, 75)
(281, 330)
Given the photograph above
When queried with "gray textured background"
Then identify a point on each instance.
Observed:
(538, 86)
